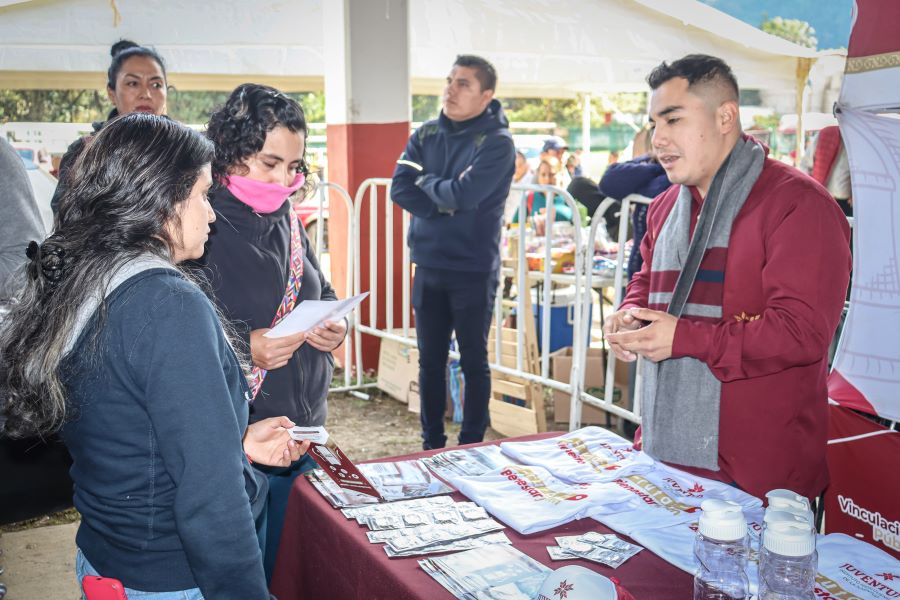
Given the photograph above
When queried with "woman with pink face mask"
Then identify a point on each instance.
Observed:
(260, 265)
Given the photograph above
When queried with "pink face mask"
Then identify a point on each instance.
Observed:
(262, 197)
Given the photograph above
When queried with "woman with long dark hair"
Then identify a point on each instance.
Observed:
(135, 82)
(260, 265)
(114, 345)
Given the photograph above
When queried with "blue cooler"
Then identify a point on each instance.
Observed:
(562, 317)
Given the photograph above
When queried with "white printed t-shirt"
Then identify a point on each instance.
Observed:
(852, 568)
(665, 496)
(529, 499)
(590, 454)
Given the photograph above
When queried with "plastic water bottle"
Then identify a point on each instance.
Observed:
(788, 561)
(721, 549)
(781, 504)
(780, 516)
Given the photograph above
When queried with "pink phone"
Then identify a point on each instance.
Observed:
(103, 588)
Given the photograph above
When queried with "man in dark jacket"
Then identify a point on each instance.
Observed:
(645, 176)
(454, 177)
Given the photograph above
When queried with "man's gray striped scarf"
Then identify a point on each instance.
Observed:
(680, 396)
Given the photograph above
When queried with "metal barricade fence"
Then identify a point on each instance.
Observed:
(375, 189)
(606, 403)
(323, 189)
(547, 278)
(368, 193)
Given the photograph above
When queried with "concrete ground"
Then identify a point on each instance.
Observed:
(40, 563)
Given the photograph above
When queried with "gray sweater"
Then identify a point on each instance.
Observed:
(20, 220)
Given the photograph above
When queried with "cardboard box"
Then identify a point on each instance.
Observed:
(398, 375)
(594, 377)
(398, 371)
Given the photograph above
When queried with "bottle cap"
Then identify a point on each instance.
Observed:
(786, 498)
(784, 516)
(806, 515)
(722, 520)
(790, 538)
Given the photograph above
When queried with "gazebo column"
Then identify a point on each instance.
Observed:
(367, 112)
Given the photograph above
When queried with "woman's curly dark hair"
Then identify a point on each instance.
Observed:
(239, 128)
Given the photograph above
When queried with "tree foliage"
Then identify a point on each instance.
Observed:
(793, 30)
(86, 106)
(565, 112)
(194, 107)
(53, 106)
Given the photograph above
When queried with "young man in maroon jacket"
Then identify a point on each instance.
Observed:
(746, 265)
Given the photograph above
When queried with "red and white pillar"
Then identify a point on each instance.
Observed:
(367, 111)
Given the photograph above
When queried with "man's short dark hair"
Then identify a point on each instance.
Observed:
(484, 71)
(697, 69)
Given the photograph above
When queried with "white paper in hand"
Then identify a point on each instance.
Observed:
(310, 313)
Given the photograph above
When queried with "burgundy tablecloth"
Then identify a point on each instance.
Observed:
(324, 555)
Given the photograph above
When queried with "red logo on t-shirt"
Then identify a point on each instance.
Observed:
(564, 588)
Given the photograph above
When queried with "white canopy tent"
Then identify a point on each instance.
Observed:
(542, 48)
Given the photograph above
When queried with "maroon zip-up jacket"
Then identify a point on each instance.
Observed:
(786, 276)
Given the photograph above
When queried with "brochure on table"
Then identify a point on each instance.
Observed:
(381, 481)
(496, 571)
(333, 461)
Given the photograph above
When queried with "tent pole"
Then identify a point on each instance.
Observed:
(586, 125)
(803, 67)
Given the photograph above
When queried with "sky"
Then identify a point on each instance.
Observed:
(830, 18)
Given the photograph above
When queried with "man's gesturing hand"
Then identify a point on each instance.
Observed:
(628, 339)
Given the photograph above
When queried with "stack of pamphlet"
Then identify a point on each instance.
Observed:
(392, 480)
(427, 526)
(604, 548)
(343, 483)
(490, 572)
(362, 513)
(337, 496)
(468, 462)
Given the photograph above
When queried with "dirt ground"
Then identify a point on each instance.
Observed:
(380, 427)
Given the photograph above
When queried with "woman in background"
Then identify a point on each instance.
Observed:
(135, 82)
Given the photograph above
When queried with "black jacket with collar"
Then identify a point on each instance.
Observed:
(246, 264)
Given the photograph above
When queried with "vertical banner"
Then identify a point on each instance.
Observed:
(866, 367)
(872, 74)
(861, 500)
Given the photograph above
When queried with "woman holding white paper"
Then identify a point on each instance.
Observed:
(260, 265)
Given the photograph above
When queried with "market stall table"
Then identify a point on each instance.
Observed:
(325, 555)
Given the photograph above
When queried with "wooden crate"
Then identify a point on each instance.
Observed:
(525, 414)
